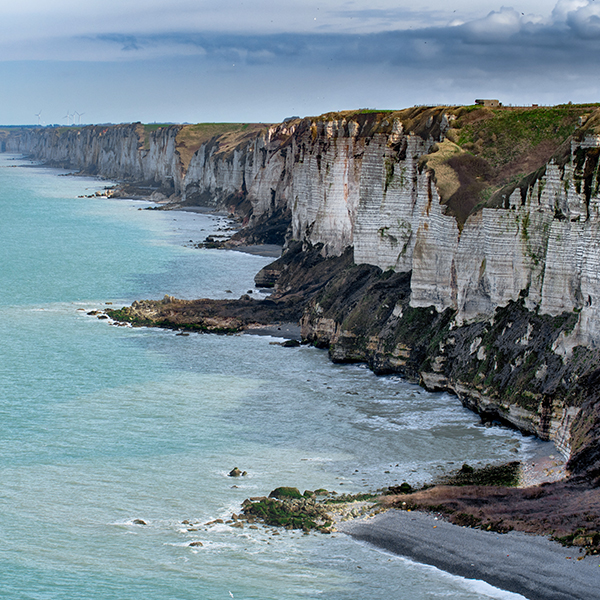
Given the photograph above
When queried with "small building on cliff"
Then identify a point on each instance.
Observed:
(491, 103)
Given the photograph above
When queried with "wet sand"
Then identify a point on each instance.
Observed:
(529, 565)
(268, 250)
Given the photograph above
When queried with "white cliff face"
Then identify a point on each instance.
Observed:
(352, 182)
(392, 200)
(324, 185)
(315, 169)
(544, 246)
(117, 152)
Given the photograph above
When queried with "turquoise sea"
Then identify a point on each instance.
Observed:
(103, 425)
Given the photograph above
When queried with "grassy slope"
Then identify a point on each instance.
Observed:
(191, 137)
(499, 147)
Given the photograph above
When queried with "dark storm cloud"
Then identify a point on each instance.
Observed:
(502, 41)
(392, 58)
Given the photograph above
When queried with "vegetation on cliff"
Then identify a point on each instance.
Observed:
(479, 149)
(227, 136)
(498, 147)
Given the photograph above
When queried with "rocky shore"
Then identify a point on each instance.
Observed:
(299, 275)
(337, 293)
(475, 523)
(502, 369)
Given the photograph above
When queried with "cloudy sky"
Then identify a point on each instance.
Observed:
(263, 60)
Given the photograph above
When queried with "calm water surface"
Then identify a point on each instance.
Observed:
(101, 425)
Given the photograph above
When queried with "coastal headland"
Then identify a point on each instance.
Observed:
(456, 246)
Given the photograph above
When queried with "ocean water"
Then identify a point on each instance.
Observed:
(103, 425)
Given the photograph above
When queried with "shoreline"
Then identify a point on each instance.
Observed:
(539, 570)
(433, 547)
(527, 564)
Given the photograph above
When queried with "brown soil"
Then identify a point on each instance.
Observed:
(528, 162)
(568, 511)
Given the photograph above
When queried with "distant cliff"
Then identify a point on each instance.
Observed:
(483, 224)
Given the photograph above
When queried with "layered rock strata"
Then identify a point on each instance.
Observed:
(507, 292)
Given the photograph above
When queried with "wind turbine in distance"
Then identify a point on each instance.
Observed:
(79, 115)
(38, 115)
(68, 118)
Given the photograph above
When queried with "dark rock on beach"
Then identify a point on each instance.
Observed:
(286, 507)
(235, 472)
(291, 344)
(305, 273)
(285, 492)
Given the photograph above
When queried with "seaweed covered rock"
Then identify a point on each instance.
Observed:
(285, 492)
(291, 512)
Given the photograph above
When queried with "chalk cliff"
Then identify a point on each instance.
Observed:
(486, 221)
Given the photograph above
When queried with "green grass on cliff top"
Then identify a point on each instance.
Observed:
(487, 148)
(500, 146)
(501, 136)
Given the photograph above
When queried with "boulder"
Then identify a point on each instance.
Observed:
(285, 492)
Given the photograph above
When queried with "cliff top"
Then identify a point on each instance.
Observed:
(487, 149)
(190, 138)
(477, 154)
(230, 135)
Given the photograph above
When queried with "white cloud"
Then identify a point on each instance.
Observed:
(585, 21)
(498, 26)
(564, 7)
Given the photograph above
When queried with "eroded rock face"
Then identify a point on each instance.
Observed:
(368, 183)
(544, 244)
(117, 152)
(505, 368)
(360, 182)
